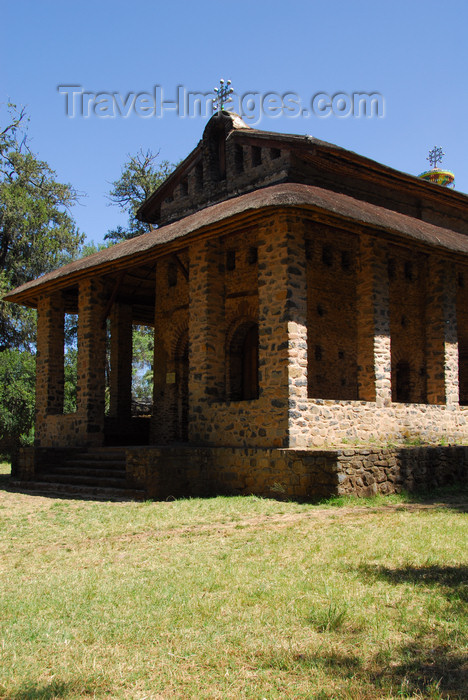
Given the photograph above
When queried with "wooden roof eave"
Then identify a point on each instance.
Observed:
(29, 297)
(326, 206)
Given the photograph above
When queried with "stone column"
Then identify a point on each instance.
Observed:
(373, 307)
(441, 333)
(121, 361)
(91, 361)
(163, 378)
(207, 335)
(283, 327)
(49, 361)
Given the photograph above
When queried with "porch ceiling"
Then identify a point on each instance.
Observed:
(134, 286)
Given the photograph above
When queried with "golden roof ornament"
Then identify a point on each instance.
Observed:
(439, 176)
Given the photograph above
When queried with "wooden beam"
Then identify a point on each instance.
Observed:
(113, 296)
(181, 265)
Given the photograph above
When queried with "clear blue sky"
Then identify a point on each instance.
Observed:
(414, 53)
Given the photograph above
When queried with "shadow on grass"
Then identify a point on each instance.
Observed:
(422, 665)
(55, 689)
(451, 497)
(345, 664)
(5, 481)
(451, 580)
(64, 496)
(427, 669)
(454, 496)
(419, 671)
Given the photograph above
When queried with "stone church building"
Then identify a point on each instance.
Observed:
(310, 314)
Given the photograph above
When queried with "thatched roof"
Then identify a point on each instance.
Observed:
(212, 220)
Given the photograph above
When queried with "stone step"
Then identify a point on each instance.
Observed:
(81, 480)
(84, 469)
(76, 464)
(99, 493)
(107, 455)
(89, 473)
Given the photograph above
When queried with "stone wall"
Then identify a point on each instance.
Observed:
(207, 471)
(330, 423)
(254, 289)
(366, 472)
(332, 260)
(49, 362)
(407, 272)
(462, 331)
(298, 474)
(171, 324)
(225, 166)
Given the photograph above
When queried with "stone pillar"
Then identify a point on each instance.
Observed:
(373, 307)
(49, 361)
(435, 331)
(207, 335)
(91, 361)
(451, 367)
(282, 292)
(441, 333)
(121, 361)
(162, 419)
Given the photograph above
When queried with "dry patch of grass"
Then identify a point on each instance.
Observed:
(232, 598)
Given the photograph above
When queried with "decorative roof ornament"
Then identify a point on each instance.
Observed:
(222, 95)
(438, 175)
(435, 156)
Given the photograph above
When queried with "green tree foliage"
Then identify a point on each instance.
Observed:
(142, 368)
(69, 389)
(37, 232)
(17, 381)
(141, 175)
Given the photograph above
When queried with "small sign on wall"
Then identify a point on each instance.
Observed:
(170, 378)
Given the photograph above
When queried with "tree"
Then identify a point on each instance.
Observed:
(143, 350)
(37, 232)
(17, 382)
(141, 175)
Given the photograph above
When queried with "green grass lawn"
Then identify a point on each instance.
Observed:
(240, 598)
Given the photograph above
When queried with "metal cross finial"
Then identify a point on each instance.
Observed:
(435, 156)
(222, 95)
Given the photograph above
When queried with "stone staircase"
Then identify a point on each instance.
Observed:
(94, 473)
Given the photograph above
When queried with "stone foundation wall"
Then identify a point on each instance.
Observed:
(176, 472)
(367, 472)
(299, 474)
(64, 430)
(31, 461)
(208, 471)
